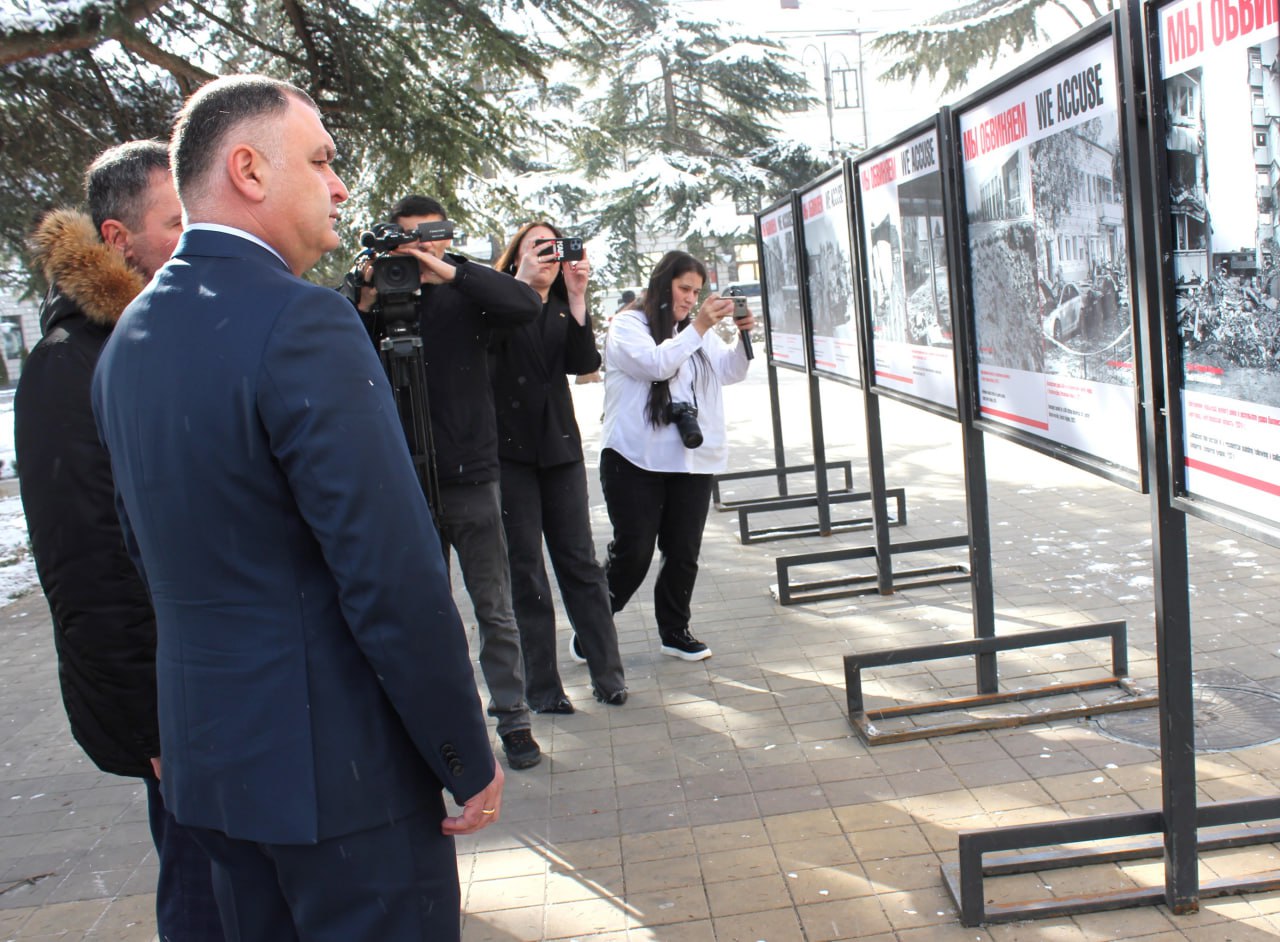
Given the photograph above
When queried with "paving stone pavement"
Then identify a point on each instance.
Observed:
(729, 800)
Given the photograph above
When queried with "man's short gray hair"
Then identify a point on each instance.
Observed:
(116, 183)
(212, 113)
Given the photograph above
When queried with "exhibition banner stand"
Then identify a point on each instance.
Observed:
(926, 354)
(779, 292)
(1204, 116)
(900, 249)
(785, 302)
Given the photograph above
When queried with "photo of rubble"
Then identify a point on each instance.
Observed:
(1225, 260)
(1002, 267)
(1077, 190)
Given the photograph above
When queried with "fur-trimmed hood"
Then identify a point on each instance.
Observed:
(82, 268)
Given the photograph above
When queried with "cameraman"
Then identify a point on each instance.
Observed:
(663, 438)
(460, 302)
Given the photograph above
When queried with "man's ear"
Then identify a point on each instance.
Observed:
(247, 171)
(115, 234)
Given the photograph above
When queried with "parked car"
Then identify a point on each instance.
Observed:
(1067, 317)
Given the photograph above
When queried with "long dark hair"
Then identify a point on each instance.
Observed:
(509, 260)
(658, 298)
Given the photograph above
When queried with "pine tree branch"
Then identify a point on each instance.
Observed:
(189, 76)
(244, 34)
(91, 26)
(298, 20)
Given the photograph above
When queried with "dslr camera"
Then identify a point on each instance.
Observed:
(684, 416)
(562, 250)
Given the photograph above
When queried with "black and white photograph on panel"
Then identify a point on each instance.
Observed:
(904, 237)
(828, 250)
(1048, 258)
(783, 317)
(1220, 64)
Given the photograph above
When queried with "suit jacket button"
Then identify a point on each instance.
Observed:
(456, 767)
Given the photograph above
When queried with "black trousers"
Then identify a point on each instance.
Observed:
(552, 504)
(648, 508)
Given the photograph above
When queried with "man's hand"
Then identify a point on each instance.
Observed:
(481, 810)
(435, 271)
(155, 766)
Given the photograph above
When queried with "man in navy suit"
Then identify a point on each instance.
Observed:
(309, 712)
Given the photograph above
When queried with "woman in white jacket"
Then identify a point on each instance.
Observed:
(664, 438)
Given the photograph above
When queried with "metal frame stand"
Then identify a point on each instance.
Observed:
(864, 720)
(965, 879)
(1177, 826)
(780, 470)
(984, 647)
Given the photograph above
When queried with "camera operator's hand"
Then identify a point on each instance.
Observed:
(368, 297)
(713, 310)
(576, 276)
(435, 270)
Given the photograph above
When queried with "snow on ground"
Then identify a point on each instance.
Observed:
(17, 570)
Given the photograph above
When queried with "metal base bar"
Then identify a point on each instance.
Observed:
(964, 879)
(863, 720)
(720, 504)
(789, 593)
(748, 535)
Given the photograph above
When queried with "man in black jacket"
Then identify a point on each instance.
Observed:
(460, 303)
(103, 626)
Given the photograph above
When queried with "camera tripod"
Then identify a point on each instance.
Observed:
(400, 349)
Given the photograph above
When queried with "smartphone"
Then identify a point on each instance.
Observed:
(562, 250)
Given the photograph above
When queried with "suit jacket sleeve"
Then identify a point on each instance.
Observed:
(333, 427)
(504, 301)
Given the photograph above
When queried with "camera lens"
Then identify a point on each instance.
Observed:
(396, 274)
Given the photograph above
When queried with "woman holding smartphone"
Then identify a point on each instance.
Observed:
(544, 479)
(664, 438)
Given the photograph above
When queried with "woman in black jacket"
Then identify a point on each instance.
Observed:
(544, 479)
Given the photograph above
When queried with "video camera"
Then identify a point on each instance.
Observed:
(396, 278)
(562, 250)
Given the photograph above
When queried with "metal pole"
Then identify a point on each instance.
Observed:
(1160, 356)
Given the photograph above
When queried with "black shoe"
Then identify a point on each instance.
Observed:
(617, 698)
(685, 646)
(521, 749)
(575, 651)
(560, 705)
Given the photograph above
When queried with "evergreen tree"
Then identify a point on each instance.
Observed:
(460, 99)
(681, 121)
(954, 43)
(406, 92)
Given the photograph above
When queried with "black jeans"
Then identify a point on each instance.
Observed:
(648, 507)
(552, 503)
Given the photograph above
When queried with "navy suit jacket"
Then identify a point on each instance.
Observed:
(313, 672)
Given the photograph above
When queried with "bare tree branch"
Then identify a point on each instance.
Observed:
(1061, 5)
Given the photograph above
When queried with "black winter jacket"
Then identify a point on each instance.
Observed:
(458, 322)
(103, 627)
(536, 423)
